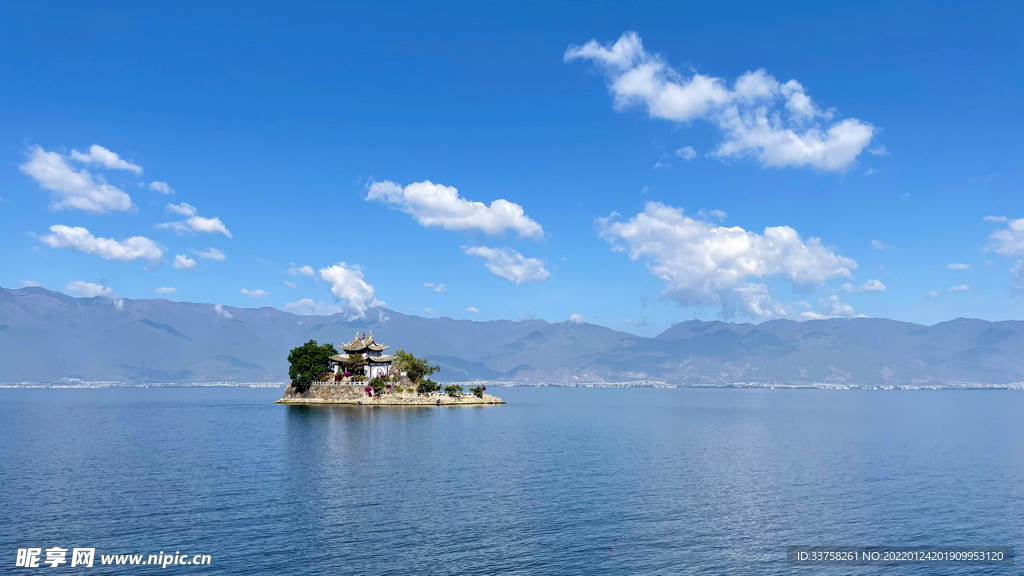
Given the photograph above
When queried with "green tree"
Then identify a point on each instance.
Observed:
(415, 368)
(308, 362)
(427, 386)
(453, 390)
(356, 363)
(378, 385)
(478, 391)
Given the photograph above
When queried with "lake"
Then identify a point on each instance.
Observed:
(557, 481)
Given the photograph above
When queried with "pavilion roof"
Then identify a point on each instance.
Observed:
(364, 342)
(382, 359)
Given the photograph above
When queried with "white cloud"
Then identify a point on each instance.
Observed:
(310, 307)
(161, 187)
(705, 264)
(348, 286)
(879, 245)
(872, 286)
(869, 286)
(958, 266)
(960, 288)
(209, 225)
(931, 294)
(78, 238)
(1010, 240)
(30, 284)
(304, 270)
(435, 287)
(89, 290)
(686, 153)
(719, 215)
(473, 310)
(194, 222)
(870, 172)
(661, 162)
(165, 290)
(71, 188)
(759, 116)
(180, 228)
(222, 312)
(438, 205)
(99, 155)
(183, 209)
(255, 293)
(289, 284)
(182, 262)
(879, 151)
(834, 308)
(428, 310)
(576, 318)
(211, 254)
(509, 264)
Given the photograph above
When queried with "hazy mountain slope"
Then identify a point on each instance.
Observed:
(47, 336)
(858, 350)
(563, 351)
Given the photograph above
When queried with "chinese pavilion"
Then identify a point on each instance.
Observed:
(378, 364)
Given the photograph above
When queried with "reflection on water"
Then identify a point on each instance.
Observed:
(593, 481)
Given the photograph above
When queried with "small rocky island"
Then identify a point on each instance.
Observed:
(363, 375)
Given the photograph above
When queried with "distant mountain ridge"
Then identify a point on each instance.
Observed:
(47, 336)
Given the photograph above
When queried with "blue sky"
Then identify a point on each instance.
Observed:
(308, 133)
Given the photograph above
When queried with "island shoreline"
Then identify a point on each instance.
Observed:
(355, 395)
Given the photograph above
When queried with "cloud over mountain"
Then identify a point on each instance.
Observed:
(193, 223)
(89, 290)
(72, 188)
(439, 205)
(99, 155)
(775, 122)
(349, 287)
(509, 264)
(705, 264)
(80, 239)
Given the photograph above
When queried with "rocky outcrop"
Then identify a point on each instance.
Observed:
(356, 394)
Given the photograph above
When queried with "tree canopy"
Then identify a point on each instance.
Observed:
(415, 368)
(427, 386)
(355, 363)
(308, 362)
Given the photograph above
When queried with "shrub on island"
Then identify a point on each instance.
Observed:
(453, 390)
(478, 391)
(427, 386)
(378, 385)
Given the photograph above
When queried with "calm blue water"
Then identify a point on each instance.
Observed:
(685, 481)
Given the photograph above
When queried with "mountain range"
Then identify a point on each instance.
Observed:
(47, 337)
